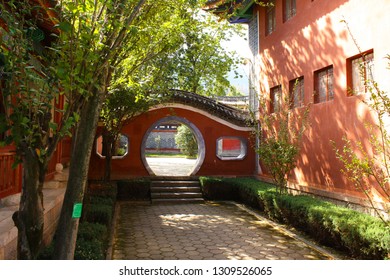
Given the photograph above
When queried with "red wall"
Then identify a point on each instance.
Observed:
(313, 39)
(132, 165)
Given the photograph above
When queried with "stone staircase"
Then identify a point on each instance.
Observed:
(176, 190)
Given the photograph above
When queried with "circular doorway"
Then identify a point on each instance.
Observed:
(171, 166)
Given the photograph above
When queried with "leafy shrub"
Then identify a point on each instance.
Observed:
(92, 236)
(91, 241)
(47, 252)
(89, 250)
(102, 189)
(99, 213)
(91, 231)
(217, 189)
(95, 199)
(137, 189)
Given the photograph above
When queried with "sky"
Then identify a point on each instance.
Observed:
(241, 46)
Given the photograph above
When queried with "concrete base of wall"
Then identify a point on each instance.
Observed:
(53, 192)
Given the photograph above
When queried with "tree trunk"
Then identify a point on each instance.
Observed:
(84, 136)
(109, 144)
(29, 218)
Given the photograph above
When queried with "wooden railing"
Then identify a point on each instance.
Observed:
(10, 178)
(66, 150)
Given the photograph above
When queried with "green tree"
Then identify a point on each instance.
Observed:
(98, 52)
(95, 35)
(89, 45)
(201, 65)
(119, 107)
(186, 141)
(150, 65)
(32, 120)
(140, 79)
(367, 164)
(280, 138)
(369, 168)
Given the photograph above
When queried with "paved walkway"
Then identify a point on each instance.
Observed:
(171, 166)
(209, 231)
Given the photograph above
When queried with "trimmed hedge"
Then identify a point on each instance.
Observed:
(98, 211)
(137, 189)
(360, 235)
(217, 189)
(91, 242)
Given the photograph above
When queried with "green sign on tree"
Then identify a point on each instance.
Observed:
(77, 209)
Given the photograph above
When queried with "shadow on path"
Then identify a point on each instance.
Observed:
(210, 231)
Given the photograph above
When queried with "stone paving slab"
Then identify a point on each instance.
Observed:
(171, 166)
(209, 231)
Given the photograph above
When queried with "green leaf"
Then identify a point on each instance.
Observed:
(76, 117)
(16, 163)
(53, 126)
(65, 26)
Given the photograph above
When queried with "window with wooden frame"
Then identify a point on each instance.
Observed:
(270, 18)
(297, 93)
(289, 9)
(360, 69)
(276, 99)
(323, 85)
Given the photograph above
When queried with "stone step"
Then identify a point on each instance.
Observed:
(177, 200)
(175, 178)
(169, 183)
(176, 195)
(174, 189)
(6, 222)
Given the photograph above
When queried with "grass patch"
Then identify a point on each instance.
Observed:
(163, 155)
(359, 235)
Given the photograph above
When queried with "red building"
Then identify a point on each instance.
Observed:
(319, 44)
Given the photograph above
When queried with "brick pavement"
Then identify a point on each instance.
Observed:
(209, 231)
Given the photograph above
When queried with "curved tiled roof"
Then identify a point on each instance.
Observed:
(230, 114)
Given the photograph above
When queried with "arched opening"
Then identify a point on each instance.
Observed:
(162, 156)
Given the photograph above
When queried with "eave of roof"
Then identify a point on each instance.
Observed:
(236, 11)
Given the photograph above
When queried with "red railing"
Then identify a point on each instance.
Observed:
(66, 150)
(10, 178)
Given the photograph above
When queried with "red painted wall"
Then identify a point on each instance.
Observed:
(132, 165)
(313, 39)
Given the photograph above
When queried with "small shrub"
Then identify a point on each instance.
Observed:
(138, 189)
(89, 250)
(91, 241)
(102, 189)
(47, 252)
(91, 231)
(217, 189)
(99, 213)
(95, 199)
